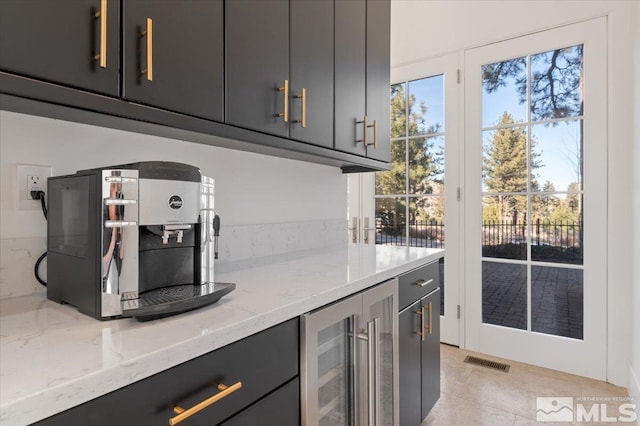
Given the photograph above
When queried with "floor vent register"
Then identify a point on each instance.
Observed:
(486, 363)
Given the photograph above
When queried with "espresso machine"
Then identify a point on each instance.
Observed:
(135, 240)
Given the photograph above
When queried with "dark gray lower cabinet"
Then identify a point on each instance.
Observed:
(410, 366)
(281, 408)
(419, 357)
(266, 364)
(430, 353)
(419, 343)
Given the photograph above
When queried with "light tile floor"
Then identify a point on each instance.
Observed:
(475, 395)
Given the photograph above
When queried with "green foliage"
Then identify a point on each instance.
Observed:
(425, 166)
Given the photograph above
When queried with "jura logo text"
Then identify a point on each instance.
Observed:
(175, 202)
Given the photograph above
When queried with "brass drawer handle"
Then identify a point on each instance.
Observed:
(183, 414)
(422, 283)
(102, 15)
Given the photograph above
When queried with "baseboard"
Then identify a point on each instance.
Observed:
(634, 389)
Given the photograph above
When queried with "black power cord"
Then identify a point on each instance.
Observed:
(39, 195)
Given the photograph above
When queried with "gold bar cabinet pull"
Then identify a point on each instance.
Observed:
(148, 33)
(183, 414)
(430, 328)
(421, 333)
(101, 57)
(285, 113)
(375, 134)
(303, 102)
(422, 283)
(364, 130)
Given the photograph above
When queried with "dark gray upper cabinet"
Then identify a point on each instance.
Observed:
(362, 65)
(185, 55)
(350, 75)
(58, 41)
(209, 71)
(257, 64)
(312, 69)
(275, 49)
(378, 76)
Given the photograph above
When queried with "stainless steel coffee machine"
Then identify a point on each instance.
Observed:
(135, 240)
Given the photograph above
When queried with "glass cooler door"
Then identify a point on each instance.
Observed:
(327, 363)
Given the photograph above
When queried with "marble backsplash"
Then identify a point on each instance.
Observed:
(237, 243)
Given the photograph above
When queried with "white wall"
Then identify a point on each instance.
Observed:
(250, 188)
(634, 370)
(425, 29)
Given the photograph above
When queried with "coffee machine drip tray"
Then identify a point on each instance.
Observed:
(163, 302)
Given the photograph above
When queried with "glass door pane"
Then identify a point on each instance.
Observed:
(335, 373)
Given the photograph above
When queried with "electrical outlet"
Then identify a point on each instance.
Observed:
(30, 177)
(35, 183)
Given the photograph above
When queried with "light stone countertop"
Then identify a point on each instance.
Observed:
(53, 358)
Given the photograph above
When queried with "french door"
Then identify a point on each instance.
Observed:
(416, 202)
(535, 198)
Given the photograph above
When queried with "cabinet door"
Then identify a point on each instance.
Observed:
(312, 70)
(410, 365)
(281, 407)
(257, 64)
(380, 309)
(350, 74)
(378, 77)
(57, 41)
(431, 352)
(183, 51)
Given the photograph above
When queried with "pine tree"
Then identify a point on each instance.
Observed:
(505, 169)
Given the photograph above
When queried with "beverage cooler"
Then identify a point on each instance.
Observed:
(349, 360)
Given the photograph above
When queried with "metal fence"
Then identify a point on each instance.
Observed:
(558, 234)
(421, 234)
(561, 234)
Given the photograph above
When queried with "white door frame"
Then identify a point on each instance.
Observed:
(585, 357)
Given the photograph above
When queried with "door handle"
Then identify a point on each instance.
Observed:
(430, 326)
(366, 230)
(354, 230)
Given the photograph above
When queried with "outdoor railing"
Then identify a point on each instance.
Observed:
(559, 234)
